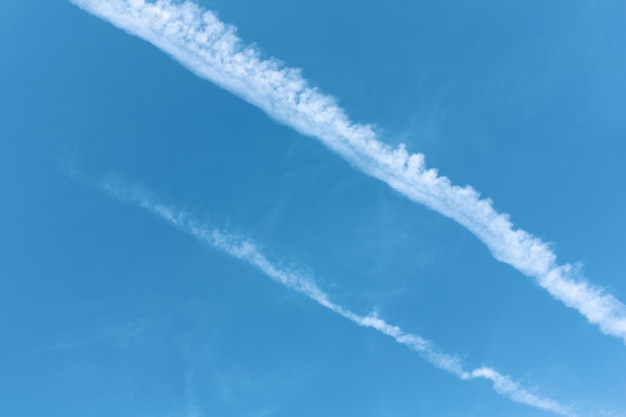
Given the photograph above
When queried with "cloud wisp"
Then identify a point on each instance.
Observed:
(247, 251)
(211, 49)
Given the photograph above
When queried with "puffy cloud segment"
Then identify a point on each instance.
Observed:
(247, 251)
(211, 49)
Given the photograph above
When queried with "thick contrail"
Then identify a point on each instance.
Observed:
(245, 250)
(211, 49)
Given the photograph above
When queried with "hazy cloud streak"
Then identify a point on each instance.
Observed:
(211, 49)
(247, 251)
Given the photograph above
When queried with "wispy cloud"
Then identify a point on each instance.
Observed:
(247, 251)
(211, 49)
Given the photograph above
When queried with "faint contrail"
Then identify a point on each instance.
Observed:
(211, 49)
(247, 251)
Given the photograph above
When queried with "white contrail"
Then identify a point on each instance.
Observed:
(211, 49)
(247, 251)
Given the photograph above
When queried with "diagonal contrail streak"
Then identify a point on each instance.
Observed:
(211, 49)
(247, 251)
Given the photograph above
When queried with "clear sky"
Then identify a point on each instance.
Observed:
(119, 165)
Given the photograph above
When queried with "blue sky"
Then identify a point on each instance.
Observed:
(108, 309)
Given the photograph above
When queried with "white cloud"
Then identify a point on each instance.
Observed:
(247, 251)
(211, 49)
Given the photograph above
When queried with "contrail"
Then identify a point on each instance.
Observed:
(247, 251)
(211, 49)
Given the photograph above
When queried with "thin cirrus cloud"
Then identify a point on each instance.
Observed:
(211, 49)
(247, 251)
